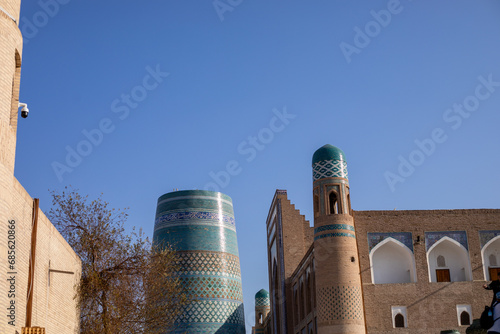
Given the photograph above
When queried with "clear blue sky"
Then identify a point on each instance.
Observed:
(345, 72)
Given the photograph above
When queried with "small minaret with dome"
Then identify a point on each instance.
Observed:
(262, 308)
(338, 281)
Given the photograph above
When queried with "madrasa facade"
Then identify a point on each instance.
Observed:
(416, 271)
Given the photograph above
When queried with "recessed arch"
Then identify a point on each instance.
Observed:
(490, 250)
(333, 203)
(308, 292)
(316, 205)
(441, 261)
(16, 81)
(465, 318)
(456, 259)
(392, 262)
(276, 299)
(399, 320)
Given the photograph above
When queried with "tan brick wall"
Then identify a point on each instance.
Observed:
(12, 7)
(431, 307)
(297, 235)
(54, 306)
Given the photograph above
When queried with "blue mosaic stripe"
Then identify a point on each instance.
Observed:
(334, 227)
(195, 237)
(334, 235)
(191, 217)
(486, 236)
(432, 237)
(404, 237)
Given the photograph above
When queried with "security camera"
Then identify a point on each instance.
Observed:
(25, 110)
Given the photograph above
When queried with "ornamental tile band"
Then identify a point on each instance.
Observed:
(486, 236)
(404, 237)
(329, 168)
(200, 226)
(340, 302)
(432, 237)
(334, 235)
(334, 227)
(186, 218)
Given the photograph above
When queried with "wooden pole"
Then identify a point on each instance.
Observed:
(31, 273)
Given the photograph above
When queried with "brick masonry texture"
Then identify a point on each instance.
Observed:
(54, 306)
(431, 307)
(315, 285)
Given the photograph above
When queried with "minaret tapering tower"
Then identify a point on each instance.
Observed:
(200, 227)
(338, 281)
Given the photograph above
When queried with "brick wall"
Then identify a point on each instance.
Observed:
(431, 307)
(57, 267)
(57, 271)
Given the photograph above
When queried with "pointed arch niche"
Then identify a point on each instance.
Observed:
(448, 261)
(392, 262)
(490, 255)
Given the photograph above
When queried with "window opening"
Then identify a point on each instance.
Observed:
(334, 206)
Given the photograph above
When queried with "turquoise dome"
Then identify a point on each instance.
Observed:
(329, 161)
(328, 152)
(262, 294)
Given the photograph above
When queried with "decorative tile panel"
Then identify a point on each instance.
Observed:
(432, 237)
(340, 303)
(486, 236)
(209, 264)
(334, 235)
(262, 301)
(212, 288)
(212, 317)
(200, 226)
(334, 227)
(329, 168)
(404, 237)
(198, 237)
(200, 217)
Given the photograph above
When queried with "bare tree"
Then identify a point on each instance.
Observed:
(127, 286)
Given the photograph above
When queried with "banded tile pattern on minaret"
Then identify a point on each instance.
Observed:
(200, 226)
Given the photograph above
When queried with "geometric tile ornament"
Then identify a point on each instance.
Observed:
(404, 237)
(329, 168)
(486, 236)
(334, 227)
(200, 226)
(329, 161)
(340, 303)
(432, 237)
(262, 298)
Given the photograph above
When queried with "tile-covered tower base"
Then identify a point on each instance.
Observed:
(200, 226)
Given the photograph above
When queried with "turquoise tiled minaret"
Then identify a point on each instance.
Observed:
(262, 308)
(337, 276)
(201, 228)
